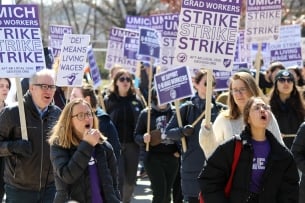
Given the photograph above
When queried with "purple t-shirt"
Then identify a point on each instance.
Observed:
(261, 151)
(94, 181)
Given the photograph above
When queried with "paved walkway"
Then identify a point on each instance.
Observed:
(142, 193)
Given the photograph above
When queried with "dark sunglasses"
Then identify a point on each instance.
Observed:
(122, 79)
(288, 80)
(213, 84)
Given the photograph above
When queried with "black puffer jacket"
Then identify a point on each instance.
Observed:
(108, 128)
(280, 179)
(72, 176)
(298, 150)
(35, 172)
(124, 112)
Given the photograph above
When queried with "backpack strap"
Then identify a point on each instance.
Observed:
(237, 151)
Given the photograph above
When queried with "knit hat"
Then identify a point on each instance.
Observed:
(283, 74)
(274, 65)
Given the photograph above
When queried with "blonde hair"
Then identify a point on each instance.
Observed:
(62, 133)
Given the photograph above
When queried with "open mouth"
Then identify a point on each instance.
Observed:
(263, 117)
(87, 126)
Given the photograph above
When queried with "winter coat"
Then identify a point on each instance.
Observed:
(193, 159)
(72, 178)
(158, 120)
(298, 151)
(34, 172)
(280, 178)
(109, 130)
(124, 112)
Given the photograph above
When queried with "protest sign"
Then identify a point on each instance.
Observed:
(130, 49)
(135, 22)
(169, 37)
(157, 21)
(149, 44)
(173, 84)
(73, 57)
(303, 49)
(222, 77)
(207, 33)
(263, 20)
(21, 45)
(288, 48)
(94, 70)
(56, 35)
(21, 48)
(115, 48)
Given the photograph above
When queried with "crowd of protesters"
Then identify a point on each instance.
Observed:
(88, 152)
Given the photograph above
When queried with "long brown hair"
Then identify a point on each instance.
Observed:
(115, 89)
(233, 111)
(62, 132)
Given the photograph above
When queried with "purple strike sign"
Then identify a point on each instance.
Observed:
(21, 45)
(115, 49)
(173, 84)
(207, 33)
(157, 21)
(130, 49)
(263, 20)
(94, 70)
(222, 77)
(149, 43)
(135, 22)
(56, 35)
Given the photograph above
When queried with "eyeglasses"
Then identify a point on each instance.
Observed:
(258, 107)
(283, 80)
(122, 79)
(46, 87)
(242, 90)
(213, 84)
(81, 116)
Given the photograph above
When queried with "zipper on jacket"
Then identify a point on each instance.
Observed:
(41, 157)
(15, 166)
(249, 171)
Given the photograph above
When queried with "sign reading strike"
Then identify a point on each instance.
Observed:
(114, 54)
(73, 57)
(21, 49)
(263, 20)
(173, 84)
(207, 33)
(56, 35)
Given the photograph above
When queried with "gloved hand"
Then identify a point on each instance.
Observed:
(155, 137)
(20, 147)
(187, 130)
